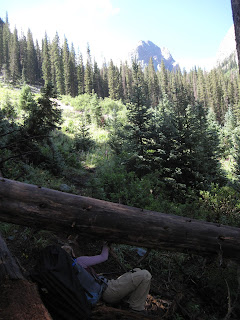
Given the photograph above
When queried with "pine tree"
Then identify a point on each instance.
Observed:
(152, 82)
(201, 88)
(104, 77)
(216, 94)
(112, 79)
(23, 57)
(26, 99)
(97, 81)
(46, 63)
(202, 143)
(39, 63)
(15, 71)
(230, 124)
(236, 153)
(80, 74)
(56, 65)
(163, 138)
(66, 68)
(114, 82)
(88, 75)
(31, 71)
(163, 79)
(73, 71)
(43, 116)
(6, 49)
(138, 123)
(1, 44)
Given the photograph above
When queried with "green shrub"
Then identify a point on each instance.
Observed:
(222, 205)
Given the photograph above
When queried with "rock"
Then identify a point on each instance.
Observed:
(147, 49)
(65, 188)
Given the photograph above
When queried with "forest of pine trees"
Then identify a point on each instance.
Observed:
(23, 60)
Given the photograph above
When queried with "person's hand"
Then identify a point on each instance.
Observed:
(107, 243)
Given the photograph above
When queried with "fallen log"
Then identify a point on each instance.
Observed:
(43, 208)
(19, 297)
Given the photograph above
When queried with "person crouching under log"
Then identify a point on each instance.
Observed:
(131, 287)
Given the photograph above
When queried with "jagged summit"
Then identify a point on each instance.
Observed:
(144, 50)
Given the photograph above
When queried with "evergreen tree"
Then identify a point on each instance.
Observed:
(43, 116)
(82, 137)
(186, 149)
(46, 63)
(114, 82)
(26, 99)
(163, 79)
(6, 49)
(80, 74)
(104, 77)
(66, 68)
(31, 71)
(216, 94)
(73, 72)
(201, 88)
(138, 123)
(128, 82)
(117, 136)
(1, 44)
(23, 57)
(88, 75)
(163, 138)
(201, 144)
(39, 63)
(15, 71)
(227, 130)
(236, 153)
(97, 81)
(124, 80)
(56, 65)
(152, 82)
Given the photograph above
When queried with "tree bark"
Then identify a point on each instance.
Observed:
(19, 298)
(8, 265)
(236, 20)
(43, 208)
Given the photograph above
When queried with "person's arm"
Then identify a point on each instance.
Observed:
(88, 261)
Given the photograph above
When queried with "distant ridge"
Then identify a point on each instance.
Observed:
(227, 47)
(147, 49)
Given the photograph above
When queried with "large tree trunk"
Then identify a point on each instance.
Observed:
(236, 20)
(19, 298)
(31, 205)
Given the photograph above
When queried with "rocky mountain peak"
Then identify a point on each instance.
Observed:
(146, 50)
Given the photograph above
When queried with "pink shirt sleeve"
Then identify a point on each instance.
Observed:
(88, 261)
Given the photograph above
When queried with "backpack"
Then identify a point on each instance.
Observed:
(57, 276)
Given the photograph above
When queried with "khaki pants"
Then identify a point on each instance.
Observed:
(135, 285)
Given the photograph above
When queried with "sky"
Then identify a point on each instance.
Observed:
(192, 30)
